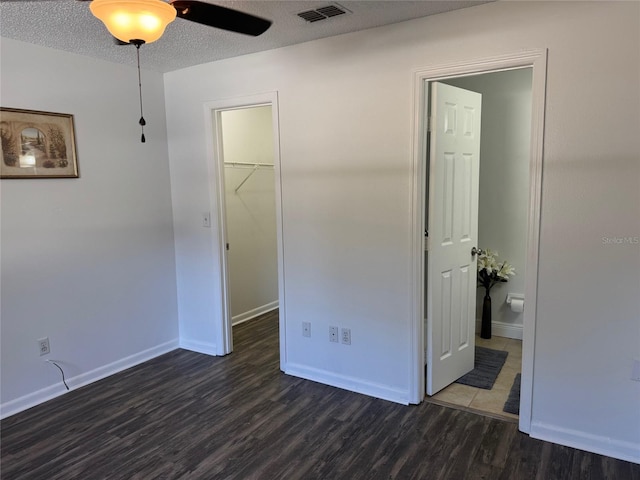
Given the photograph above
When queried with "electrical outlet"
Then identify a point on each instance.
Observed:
(43, 346)
(346, 336)
(306, 329)
(333, 334)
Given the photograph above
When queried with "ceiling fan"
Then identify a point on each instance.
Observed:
(220, 17)
(147, 19)
(136, 22)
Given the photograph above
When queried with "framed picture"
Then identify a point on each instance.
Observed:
(37, 144)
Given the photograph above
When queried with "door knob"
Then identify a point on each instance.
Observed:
(476, 251)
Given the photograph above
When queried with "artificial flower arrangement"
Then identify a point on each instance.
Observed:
(491, 272)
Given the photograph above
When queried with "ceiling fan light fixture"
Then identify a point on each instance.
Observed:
(134, 19)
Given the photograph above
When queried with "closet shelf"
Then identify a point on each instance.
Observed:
(255, 166)
(248, 164)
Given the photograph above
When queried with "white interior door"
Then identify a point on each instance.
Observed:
(454, 156)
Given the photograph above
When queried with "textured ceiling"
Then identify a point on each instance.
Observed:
(68, 25)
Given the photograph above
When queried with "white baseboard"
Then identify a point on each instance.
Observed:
(197, 346)
(500, 329)
(627, 451)
(256, 312)
(36, 398)
(348, 383)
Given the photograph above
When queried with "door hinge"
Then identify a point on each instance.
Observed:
(227, 246)
(429, 123)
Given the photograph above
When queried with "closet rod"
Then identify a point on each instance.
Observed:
(250, 164)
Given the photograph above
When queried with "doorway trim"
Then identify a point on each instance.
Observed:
(537, 61)
(215, 159)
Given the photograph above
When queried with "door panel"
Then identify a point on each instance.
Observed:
(454, 158)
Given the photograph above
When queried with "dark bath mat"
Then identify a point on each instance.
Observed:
(512, 405)
(488, 363)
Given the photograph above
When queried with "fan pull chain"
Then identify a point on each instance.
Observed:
(142, 121)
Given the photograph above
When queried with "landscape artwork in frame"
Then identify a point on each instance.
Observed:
(37, 144)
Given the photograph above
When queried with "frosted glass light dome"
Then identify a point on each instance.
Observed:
(129, 20)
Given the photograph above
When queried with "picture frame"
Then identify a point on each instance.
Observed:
(36, 144)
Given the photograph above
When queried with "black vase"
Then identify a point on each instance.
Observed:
(485, 329)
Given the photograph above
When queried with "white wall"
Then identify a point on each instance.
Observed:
(504, 182)
(247, 137)
(346, 115)
(88, 262)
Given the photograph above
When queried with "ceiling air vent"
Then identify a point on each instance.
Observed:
(323, 13)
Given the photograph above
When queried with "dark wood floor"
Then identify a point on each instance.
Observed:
(187, 415)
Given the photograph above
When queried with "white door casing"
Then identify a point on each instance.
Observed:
(222, 320)
(454, 166)
(536, 59)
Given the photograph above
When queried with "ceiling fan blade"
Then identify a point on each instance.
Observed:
(220, 17)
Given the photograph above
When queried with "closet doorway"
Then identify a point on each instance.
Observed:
(250, 211)
(245, 166)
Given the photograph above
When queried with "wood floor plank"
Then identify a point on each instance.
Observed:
(495, 443)
(186, 415)
(523, 459)
(556, 462)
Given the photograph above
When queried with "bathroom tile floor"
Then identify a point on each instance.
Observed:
(491, 401)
